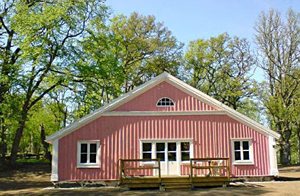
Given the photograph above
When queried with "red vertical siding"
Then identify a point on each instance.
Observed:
(147, 101)
(119, 138)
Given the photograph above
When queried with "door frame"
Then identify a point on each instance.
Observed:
(178, 150)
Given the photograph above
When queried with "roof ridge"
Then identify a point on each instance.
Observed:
(165, 76)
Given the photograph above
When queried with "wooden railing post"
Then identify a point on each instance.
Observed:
(159, 171)
(191, 170)
(228, 167)
(121, 169)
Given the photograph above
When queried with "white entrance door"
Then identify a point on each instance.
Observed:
(167, 152)
(172, 159)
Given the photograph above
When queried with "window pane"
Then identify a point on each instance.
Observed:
(245, 145)
(160, 146)
(237, 156)
(246, 155)
(160, 156)
(171, 146)
(165, 102)
(83, 158)
(147, 146)
(172, 156)
(185, 146)
(83, 148)
(185, 156)
(146, 155)
(236, 145)
(93, 148)
(92, 158)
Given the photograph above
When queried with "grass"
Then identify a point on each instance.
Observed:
(32, 161)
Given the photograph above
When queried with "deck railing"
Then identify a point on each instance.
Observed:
(213, 165)
(123, 167)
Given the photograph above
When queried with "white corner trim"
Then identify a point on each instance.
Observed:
(143, 88)
(54, 162)
(164, 113)
(273, 157)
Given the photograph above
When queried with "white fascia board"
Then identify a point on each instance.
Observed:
(164, 113)
(231, 112)
(144, 87)
(108, 107)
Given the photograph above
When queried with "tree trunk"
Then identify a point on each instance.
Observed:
(3, 142)
(285, 150)
(47, 154)
(298, 135)
(19, 134)
(285, 154)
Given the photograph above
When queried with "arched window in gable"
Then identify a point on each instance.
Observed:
(165, 102)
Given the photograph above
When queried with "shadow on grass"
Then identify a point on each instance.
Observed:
(235, 191)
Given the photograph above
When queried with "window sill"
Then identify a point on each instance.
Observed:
(89, 166)
(147, 163)
(243, 163)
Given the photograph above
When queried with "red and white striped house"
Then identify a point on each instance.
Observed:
(164, 118)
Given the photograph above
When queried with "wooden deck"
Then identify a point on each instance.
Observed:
(177, 182)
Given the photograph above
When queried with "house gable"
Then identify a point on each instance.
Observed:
(148, 100)
(118, 104)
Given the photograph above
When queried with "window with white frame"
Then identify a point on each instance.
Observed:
(88, 153)
(242, 151)
(166, 150)
(165, 102)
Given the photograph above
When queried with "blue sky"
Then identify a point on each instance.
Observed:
(192, 19)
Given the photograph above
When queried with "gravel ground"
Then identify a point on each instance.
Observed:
(34, 180)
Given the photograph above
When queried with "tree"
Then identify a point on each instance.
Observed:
(54, 28)
(9, 67)
(222, 67)
(121, 54)
(278, 40)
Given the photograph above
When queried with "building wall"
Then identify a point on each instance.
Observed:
(147, 101)
(119, 138)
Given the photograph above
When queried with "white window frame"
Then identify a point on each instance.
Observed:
(178, 144)
(242, 162)
(88, 165)
(165, 105)
(189, 151)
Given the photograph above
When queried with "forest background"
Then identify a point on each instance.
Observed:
(60, 60)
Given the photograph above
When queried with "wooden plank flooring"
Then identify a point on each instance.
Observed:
(172, 182)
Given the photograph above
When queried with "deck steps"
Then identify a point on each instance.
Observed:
(176, 185)
(170, 183)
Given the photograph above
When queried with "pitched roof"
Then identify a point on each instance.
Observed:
(146, 86)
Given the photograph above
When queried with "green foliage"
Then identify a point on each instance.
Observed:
(222, 67)
(275, 36)
(60, 60)
(123, 53)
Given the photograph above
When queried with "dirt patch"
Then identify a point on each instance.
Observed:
(29, 176)
(34, 180)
